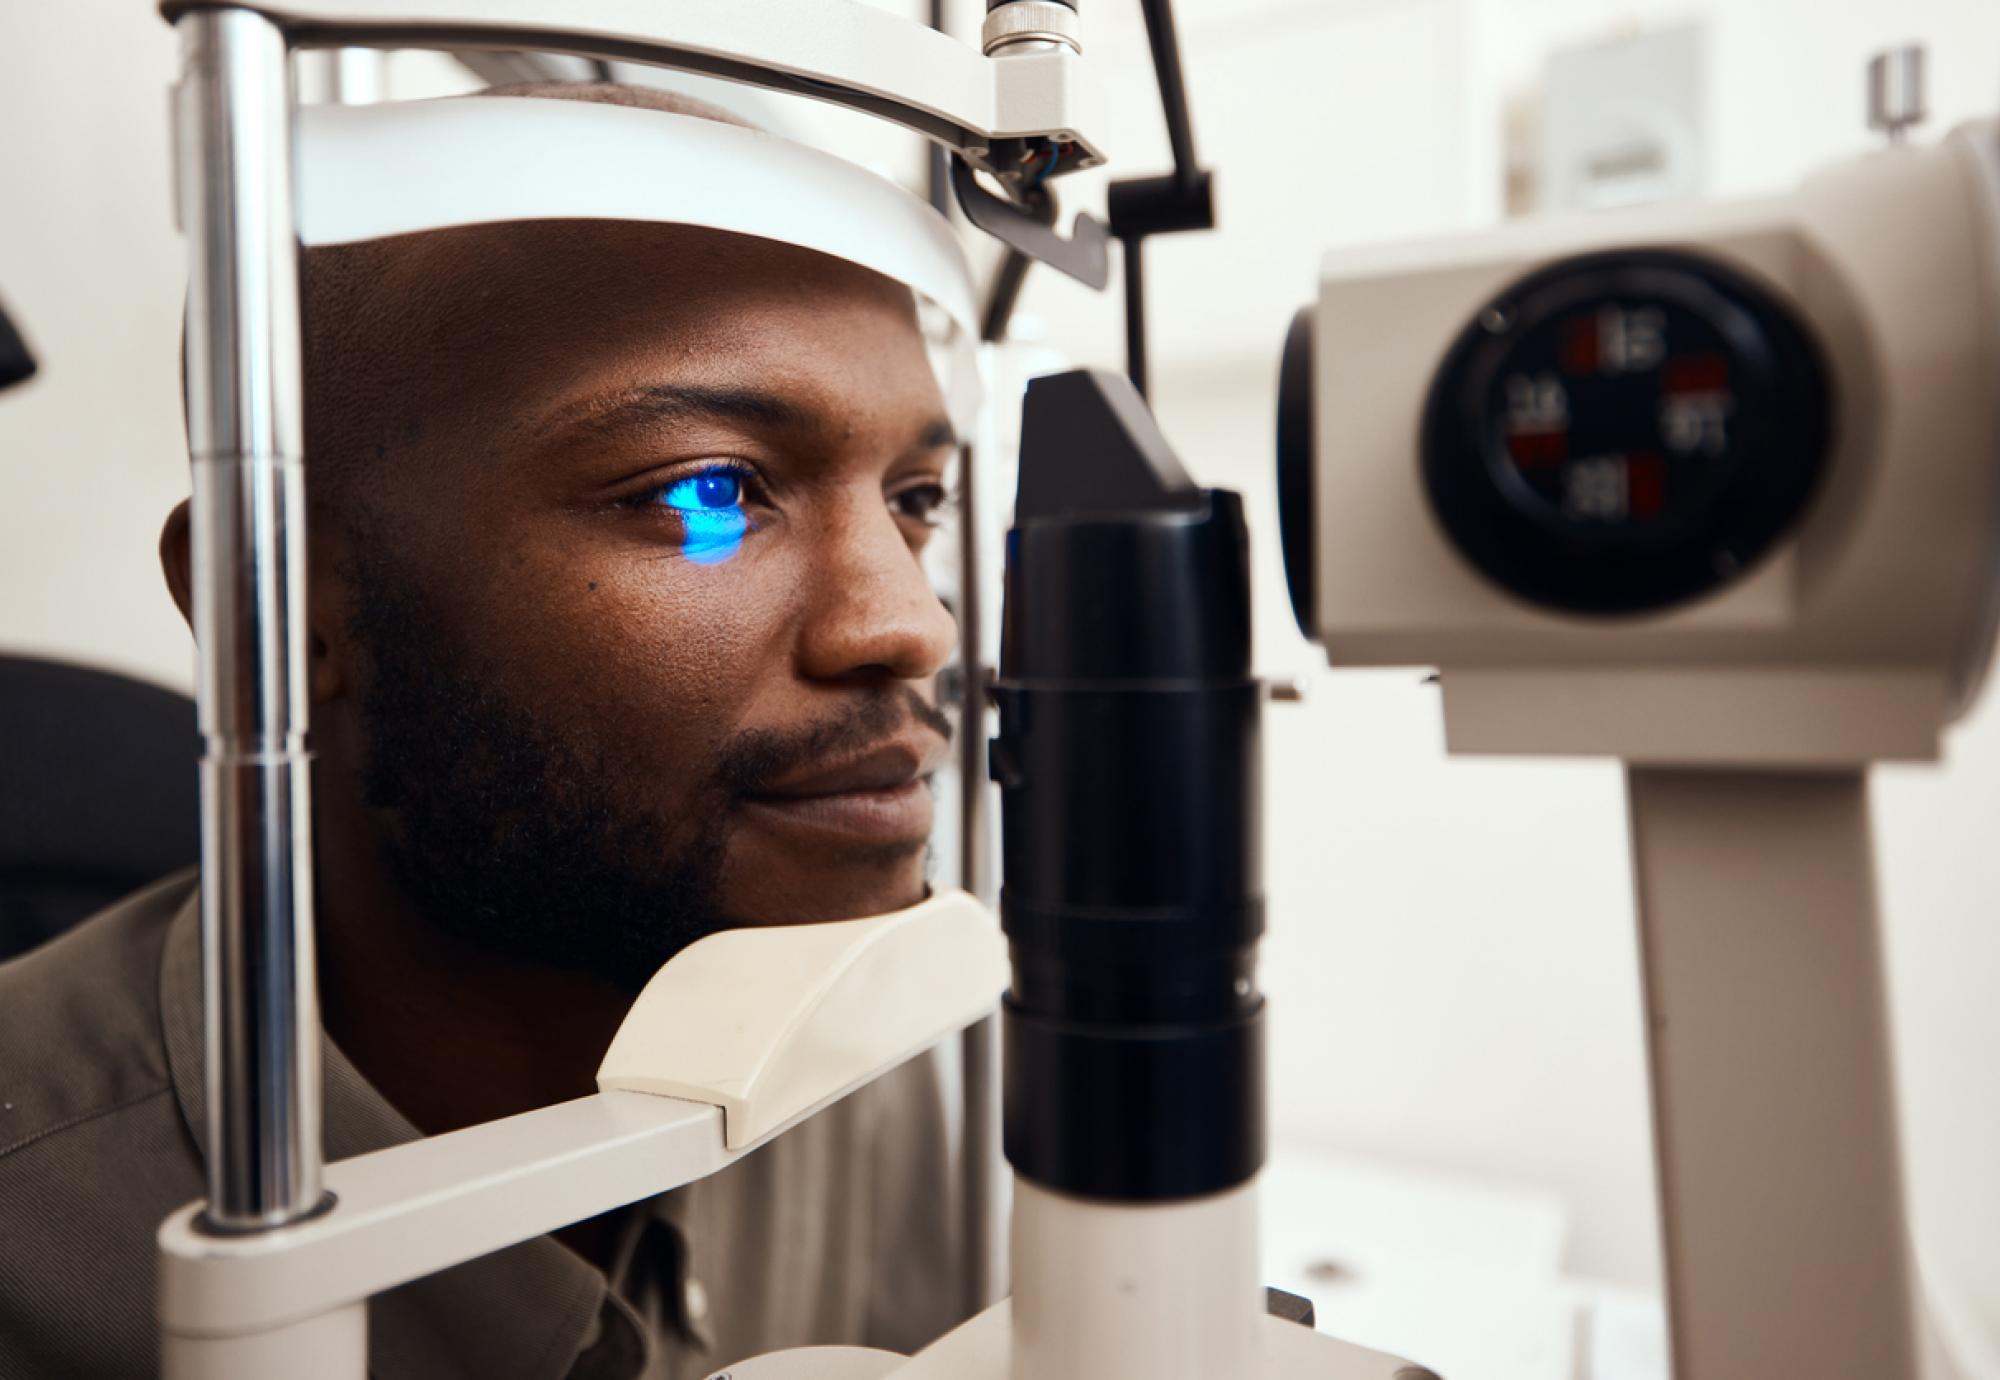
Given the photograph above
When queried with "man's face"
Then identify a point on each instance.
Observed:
(641, 642)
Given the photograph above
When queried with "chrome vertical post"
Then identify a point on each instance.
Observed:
(979, 1046)
(233, 131)
(359, 75)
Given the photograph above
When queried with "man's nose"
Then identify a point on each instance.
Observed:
(872, 611)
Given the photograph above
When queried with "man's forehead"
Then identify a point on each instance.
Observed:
(543, 266)
(773, 349)
(542, 312)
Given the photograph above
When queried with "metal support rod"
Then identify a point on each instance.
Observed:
(1774, 1109)
(330, 1346)
(980, 1167)
(937, 162)
(1173, 87)
(1002, 295)
(1183, 200)
(1135, 312)
(233, 131)
(981, 1271)
(359, 76)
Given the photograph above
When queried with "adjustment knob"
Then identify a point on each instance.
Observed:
(1896, 91)
(1036, 25)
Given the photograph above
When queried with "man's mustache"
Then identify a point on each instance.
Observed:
(752, 761)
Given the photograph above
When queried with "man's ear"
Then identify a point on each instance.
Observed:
(325, 677)
(176, 563)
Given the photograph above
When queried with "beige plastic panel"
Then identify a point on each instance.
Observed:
(331, 1346)
(411, 1210)
(1168, 1290)
(816, 1363)
(771, 1023)
(982, 1350)
(1684, 716)
(1774, 1103)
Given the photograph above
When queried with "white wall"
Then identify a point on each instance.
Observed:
(91, 454)
(1452, 957)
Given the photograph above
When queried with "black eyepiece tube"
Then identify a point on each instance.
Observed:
(1128, 761)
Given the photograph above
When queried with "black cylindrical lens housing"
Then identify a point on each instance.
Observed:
(1128, 761)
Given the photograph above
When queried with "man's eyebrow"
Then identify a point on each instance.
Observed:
(666, 403)
(658, 403)
(936, 435)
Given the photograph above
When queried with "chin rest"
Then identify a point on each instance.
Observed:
(772, 1023)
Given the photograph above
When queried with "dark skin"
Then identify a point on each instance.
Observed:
(524, 484)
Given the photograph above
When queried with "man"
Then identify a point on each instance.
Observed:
(618, 637)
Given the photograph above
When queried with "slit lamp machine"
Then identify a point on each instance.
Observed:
(1713, 490)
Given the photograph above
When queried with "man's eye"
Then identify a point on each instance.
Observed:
(924, 502)
(706, 492)
(709, 506)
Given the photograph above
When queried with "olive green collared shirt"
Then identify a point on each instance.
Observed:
(837, 1232)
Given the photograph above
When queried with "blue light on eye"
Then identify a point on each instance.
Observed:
(716, 490)
(710, 506)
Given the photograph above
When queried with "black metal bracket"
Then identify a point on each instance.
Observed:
(16, 363)
(1084, 254)
(1136, 208)
(1142, 206)
(1139, 207)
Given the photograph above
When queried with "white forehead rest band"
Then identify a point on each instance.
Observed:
(372, 171)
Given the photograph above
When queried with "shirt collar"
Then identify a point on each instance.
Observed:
(524, 1313)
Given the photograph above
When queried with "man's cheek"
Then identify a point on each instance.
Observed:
(665, 662)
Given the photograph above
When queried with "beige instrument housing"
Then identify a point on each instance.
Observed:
(1859, 638)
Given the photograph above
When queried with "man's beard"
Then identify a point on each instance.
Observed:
(530, 840)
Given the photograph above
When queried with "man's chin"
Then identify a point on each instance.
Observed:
(771, 878)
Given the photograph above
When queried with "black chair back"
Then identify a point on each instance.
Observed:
(98, 793)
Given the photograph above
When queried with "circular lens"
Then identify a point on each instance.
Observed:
(1623, 432)
(1296, 519)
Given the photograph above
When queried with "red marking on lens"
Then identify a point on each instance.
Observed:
(1530, 449)
(1645, 485)
(1579, 345)
(1696, 374)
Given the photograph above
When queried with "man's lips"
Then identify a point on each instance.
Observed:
(881, 796)
(883, 768)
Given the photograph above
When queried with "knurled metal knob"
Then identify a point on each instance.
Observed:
(1896, 91)
(1041, 22)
